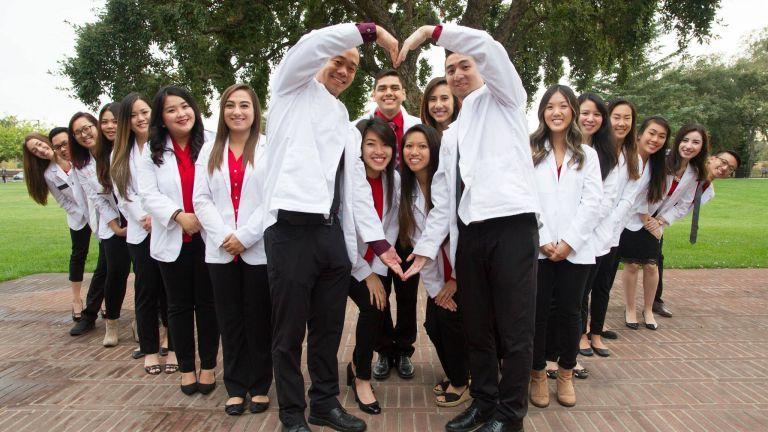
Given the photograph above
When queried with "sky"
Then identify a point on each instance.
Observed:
(37, 34)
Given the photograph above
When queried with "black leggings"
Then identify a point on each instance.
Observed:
(446, 331)
(599, 284)
(118, 269)
(369, 326)
(398, 339)
(81, 241)
(149, 298)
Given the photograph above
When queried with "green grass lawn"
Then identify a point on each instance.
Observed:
(733, 232)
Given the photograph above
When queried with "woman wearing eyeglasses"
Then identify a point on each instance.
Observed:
(90, 150)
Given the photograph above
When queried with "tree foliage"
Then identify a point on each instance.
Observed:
(730, 98)
(207, 45)
(12, 133)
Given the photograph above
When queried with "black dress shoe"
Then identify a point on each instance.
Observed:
(235, 409)
(405, 367)
(296, 427)
(468, 420)
(495, 425)
(189, 389)
(587, 352)
(258, 407)
(338, 419)
(633, 326)
(370, 408)
(381, 368)
(650, 326)
(609, 334)
(602, 352)
(137, 354)
(206, 388)
(661, 309)
(83, 326)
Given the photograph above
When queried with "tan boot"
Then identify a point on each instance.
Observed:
(110, 337)
(566, 394)
(539, 389)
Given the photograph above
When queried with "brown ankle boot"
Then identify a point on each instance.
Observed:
(110, 336)
(539, 389)
(566, 394)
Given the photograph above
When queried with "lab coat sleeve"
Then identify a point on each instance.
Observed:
(63, 200)
(581, 227)
(367, 221)
(438, 222)
(103, 206)
(202, 200)
(157, 204)
(683, 205)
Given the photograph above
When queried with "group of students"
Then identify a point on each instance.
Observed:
(260, 239)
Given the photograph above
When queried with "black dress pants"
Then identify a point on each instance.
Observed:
(496, 278)
(118, 269)
(244, 310)
(81, 241)
(95, 295)
(190, 301)
(369, 322)
(446, 331)
(309, 272)
(563, 281)
(603, 276)
(660, 286)
(397, 339)
(148, 291)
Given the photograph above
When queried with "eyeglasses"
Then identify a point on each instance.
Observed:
(83, 130)
(58, 147)
(731, 168)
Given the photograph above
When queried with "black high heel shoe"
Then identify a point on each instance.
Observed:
(633, 326)
(189, 389)
(206, 388)
(371, 408)
(650, 326)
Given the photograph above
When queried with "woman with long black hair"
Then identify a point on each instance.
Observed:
(166, 181)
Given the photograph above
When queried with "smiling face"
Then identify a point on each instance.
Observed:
(85, 132)
(652, 139)
(416, 151)
(239, 111)
(558, 114)
(389, 95)
(462, 75)
(590, 119)
(621, 121)
(722, 165)
(376, 154)
(339, 72)
(39, 148)
(440, 105)
(690, 146)
(108, 125)
(178, 116)
(60, 144)
(140, 113)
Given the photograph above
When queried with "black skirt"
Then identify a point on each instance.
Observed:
(639, 247)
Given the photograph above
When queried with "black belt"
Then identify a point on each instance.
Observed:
(300, 218)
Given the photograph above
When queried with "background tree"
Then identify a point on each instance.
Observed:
(207, 45)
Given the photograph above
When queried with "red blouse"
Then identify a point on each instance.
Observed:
(187, 177)
(446, 266)
(236, 174)
(377, 189)
(673, 187)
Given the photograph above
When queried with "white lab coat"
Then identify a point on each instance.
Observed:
(571, 204)
(102, 202)
(307, 131)
(608, 230)
(130, 205)
(213, 206)
(160, 192)
(68, 193)
(491, 133)
(433, 273)
(390, 223)
(670, 207)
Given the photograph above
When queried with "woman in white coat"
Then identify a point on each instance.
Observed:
(227, 200)
(130, 144)
(370, 276)
(166, 181)
(90, 150)
(569, 184)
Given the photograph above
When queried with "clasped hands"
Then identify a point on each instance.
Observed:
(556, 251)
(385, 40)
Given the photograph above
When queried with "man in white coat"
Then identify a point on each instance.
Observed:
(485, 199)
(312, 159)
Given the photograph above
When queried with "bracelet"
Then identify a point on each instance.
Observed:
(175, 214)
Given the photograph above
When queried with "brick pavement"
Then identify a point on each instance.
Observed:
(704, 370)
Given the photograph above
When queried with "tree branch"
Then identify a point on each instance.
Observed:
(514, 14)
(476, 13)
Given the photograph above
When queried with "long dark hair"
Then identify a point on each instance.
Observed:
(80, 155)
(629, 145)
(426, 118)
(222, 132)
(34, 170)
(408, 182)
(104, 147)
(573, 136)
(388, 137)
(158, 132)
(658, 182)
(123, 145)
(699, 162)
(602, 140)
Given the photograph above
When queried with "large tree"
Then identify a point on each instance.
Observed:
(207, 44)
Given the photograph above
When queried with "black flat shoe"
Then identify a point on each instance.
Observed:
(258, 407)
(206, 388)
(382, 368)
(587, 352)
(609, 334)
(582, 373)
(235, 409)
(338, 419)
(405, 369)
(633, 326)
(189, 389)
(77, 316)
(468, 420)
(602, 352)
(82, 327)
(137, 354)
(296, 427)
(163, 351)
(371, 408)
(552, 373)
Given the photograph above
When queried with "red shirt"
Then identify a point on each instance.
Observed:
(705, 185)
(236, 174)
(673, 187)
(187, 177)
(377, 189)
(446, 266)
(397, 125)
(558, 172)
